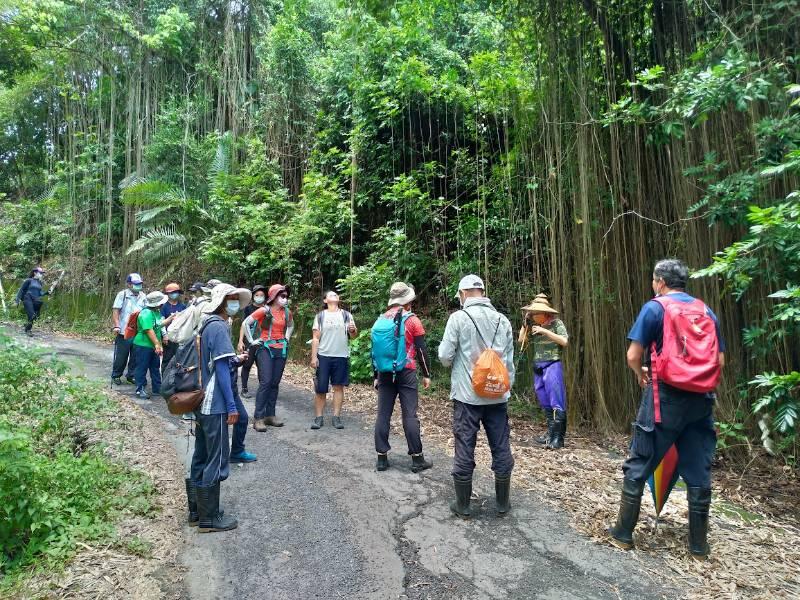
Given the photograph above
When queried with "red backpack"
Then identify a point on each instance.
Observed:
(689, 358)
(132, 326)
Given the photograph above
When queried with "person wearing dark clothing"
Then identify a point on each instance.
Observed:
(403, 385)
(668, 414)
(259, 298)
(30, 294)
(468, 333)
(127, 302)
(169, 310)
(218, 410)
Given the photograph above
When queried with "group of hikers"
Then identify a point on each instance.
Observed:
(675, 351)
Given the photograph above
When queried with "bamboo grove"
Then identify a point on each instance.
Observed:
(549, 145)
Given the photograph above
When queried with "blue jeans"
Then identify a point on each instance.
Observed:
(467, 420)
(211, 453)
(240, 429)
(270, 372)
(147, 360)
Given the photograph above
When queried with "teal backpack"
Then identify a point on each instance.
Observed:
(389, 343)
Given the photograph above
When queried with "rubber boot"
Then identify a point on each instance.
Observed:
(556, 440)
(463, 487)
(502, 489)
(382, 463)
(543, 439)
(418, 463)
(211, 518)
(191, 497)
(699, 503)
(630, 503)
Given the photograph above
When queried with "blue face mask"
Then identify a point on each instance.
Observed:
(258, 299)
(232, 307)
(175, 295)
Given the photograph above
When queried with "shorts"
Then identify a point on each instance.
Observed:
(332, 370)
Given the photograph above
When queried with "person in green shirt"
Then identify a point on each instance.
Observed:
(147, 345)
(549, 338)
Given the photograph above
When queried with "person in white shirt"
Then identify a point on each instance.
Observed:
(330, 356)
(127, 302)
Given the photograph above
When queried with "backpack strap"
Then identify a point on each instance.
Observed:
(496, 329)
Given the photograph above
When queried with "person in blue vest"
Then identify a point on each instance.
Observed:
(126, 302)
(30, 294)
(668, 414)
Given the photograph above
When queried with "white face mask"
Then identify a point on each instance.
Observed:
(259, 299)
(283, 301)
(37, 275)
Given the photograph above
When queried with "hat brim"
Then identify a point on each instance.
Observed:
(540, 308)
(161, 302)
(278, 292)
(466, 290)
(245, 296)
(409, 296)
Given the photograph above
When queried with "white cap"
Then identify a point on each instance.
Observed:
(470, 282)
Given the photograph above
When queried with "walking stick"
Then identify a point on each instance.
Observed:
(56, 282)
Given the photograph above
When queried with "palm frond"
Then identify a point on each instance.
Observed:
(159, 244)
(150, 192)
(149, 217)
(131, 180)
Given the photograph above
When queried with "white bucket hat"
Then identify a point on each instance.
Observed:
(155, 299)
(222, 291)
(401, 294)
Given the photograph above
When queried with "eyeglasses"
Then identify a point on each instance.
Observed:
(283, 295)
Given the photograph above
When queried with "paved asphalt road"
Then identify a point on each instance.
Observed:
(317, 521)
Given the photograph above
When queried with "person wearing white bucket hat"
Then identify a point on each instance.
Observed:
(220, 407)
(147, 344)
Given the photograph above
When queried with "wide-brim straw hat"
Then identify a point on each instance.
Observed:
(155, 299)
(401, 294)
(222, 291)
(540, 304)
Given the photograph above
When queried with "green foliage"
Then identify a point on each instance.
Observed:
(56, 487)
(361, 356)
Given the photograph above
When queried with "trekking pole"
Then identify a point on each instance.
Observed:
(3, 297)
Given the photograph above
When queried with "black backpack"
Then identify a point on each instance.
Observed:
(182, 373)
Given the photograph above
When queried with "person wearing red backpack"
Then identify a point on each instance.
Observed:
(680, 338)
(128, 301)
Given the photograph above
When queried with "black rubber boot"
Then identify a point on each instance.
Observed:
(191, 497)
(463, 487)
(502, 489)
(211, 518)
(543, 439)
(630, 503)
(418, 463)
(556, 440)
(382, 463)
(699, 503)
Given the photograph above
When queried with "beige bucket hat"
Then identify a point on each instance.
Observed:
(222, 291)
(401, 294)
(540, 304)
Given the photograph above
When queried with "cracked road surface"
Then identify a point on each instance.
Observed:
(317, 521)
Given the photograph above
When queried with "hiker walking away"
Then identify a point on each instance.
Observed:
(219, 408)
(478, 326)
(259, 298)
(330, 356)
(128, 301)
(550, 337)
(276, 323)
(148, 345)
(398, 348)
(169, 311)
(680, 334)
(30, 294)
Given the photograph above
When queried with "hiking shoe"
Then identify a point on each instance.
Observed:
(141, 393)
(243, 457)
(418, 463)
(383, 462)
(116, 381)
(29, 333)
(273, 421)
(318, 422)
(130, 380)
(187, 416)
(258, 425)
(246, 393)
(337, 422)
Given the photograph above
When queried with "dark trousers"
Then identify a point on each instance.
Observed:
(247, 365)
(270, 372)
(32, 310)
(147, 360)
(467, 420)
(169, 351)
(123, 354)
(686, 421)
(240, 429)
(405, 388)
(211, 452)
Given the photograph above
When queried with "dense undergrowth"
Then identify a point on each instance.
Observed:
(57, 487)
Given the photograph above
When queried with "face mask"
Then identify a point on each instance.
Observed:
(259, 299)
(137, 287)
(175, 295)
(232, 307)
(283, 301)
(539, 319)
(37, 275)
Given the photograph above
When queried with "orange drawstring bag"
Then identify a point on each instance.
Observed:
(490, 378)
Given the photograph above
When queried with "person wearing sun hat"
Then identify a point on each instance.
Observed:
(276, 324)
(549, 338)
(169, 312)
(402, 384)
(148, 344)
(219, 408)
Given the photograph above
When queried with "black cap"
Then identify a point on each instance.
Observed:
(197, 286)
(259, 288)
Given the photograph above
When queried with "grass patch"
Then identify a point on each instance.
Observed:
(57, 487)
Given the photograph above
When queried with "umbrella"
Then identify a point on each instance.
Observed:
(664, 478)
